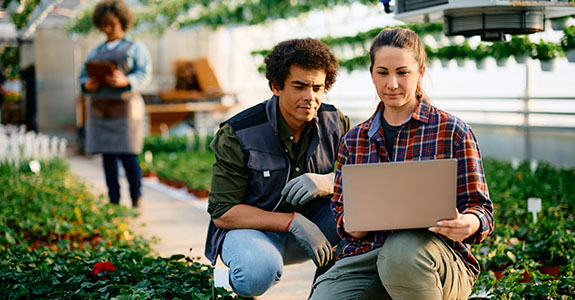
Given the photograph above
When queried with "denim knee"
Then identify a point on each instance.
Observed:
(254, 274)
(254, 260)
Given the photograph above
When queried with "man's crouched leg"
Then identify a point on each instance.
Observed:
(254, 260)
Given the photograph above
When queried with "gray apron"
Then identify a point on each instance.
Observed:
(115, 119)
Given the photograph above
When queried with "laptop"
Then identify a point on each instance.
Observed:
(399, 195)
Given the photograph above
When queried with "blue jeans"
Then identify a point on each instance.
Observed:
(256, 258)
(133, 173)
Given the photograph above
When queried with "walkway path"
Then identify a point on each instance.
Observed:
(180, 222)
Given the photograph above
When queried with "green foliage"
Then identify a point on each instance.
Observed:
(180, 159)
(20, 20)
(568, 39)
(518, 46)
(156, 16)
(192, 168)
(355, 62)
(454, 51)
(10, 61)
(82, 24)
(53, 232)
(480, 53)
(517, 243)
(521, 45)
(501, 50)
(545, 51)
(158, 144)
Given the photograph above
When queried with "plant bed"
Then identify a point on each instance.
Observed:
(59, 242)
(199, 193)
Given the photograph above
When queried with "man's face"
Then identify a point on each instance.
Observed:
(301, 96)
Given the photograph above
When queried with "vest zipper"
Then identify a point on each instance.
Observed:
(287, 179)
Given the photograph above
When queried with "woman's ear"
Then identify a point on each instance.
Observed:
(422, 72)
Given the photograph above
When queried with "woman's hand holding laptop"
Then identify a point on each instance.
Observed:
(458, 229)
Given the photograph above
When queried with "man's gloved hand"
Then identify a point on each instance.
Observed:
(310, 237)
(305, 187)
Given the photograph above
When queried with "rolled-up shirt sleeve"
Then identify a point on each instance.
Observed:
(230, 176)
(141, 74)
(472, 191)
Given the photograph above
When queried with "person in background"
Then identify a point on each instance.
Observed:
(115, 119)
(429, 263)
(273, 175)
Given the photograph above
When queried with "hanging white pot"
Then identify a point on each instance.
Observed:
(570, 55)
(502, 62)
(444, 62)
(481, 64)
(559, 24)
(460, 62)
(547, 65)
(520, 59)
(438, 36)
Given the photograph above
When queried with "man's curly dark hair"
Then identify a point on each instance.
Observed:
(305, 53)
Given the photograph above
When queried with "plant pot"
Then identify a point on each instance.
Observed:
(460, 62)
(438, 36)
(521, 59)
(498, 274)
(481, 64)
(199, 193)
(502, 62)
(559, 24)
(526, 277)
(547, 65)
(444, 62)
(148, 174)
(549, 270)
(570, 55)
(177, 184)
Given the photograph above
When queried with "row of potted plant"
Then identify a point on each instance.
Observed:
(519, 47)
(57, 241)
(180, 162)
(522, 259)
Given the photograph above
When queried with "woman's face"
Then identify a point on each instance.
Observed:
(112, 27)
(395, 75)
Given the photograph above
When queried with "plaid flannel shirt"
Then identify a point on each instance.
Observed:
(430, 133)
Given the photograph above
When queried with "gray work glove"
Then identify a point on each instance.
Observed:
(305, 187)
(310, 237)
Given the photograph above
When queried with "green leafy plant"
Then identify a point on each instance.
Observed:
(568, 39)
(479, 55)
(545, 51)
(58, 242)
(500, 51)
(500, 254)
(521, 47)
(10, 61)
(551, 242)
(568, 43)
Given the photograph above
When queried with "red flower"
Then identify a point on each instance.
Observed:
(101, 266)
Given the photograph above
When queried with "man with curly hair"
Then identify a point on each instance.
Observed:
(273, 176)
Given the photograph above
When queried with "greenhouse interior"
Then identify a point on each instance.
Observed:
(181, 92)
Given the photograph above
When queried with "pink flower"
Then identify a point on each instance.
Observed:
(101, 266)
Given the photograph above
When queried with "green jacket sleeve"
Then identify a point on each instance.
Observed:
(230, 176)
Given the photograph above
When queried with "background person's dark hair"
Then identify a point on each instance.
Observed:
(116, 7)
(305, 53)
(404, 39)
